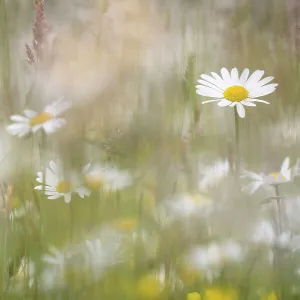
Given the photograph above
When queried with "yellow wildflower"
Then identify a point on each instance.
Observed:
(193, 296)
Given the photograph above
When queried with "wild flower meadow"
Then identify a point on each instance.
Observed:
(150, 150)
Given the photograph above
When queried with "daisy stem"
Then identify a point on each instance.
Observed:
(279, 264)
(279, 210)
(237, 145)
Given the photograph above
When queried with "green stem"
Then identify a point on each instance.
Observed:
(279, 210)
(279, 263)
(237, 146)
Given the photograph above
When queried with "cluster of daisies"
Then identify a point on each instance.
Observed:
(209, 259)
(53, 180)
(94, 177)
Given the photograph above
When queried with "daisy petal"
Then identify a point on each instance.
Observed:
(206, 91)
(265, 81)
(67, 198)
(235, 75)
(262, 91)
(254, 78)
(220, 81)
(55, 196)
(258, 100)
(285, 165)
(29, 113)
(224, 102)
(226, 76)
(209, 101)
(17, 118)
(203, 82)
(247, 103)
(217, 82)
(244, 76)
(240, 109)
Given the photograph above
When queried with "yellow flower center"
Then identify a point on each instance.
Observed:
(149, 288)
(236, 93)
(126, 224)
(193, 296)
(218, 294)
(271, 296)
(40, 119)
(63, 187)
(274, 175)
(200, 199)
(93, 182)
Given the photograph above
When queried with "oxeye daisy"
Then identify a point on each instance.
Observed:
(187, 204)
(57, 185)
(33, 121)
(230, 89)
(285, 174)
(105, 177)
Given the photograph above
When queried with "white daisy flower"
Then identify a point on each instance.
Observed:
(25, 274)
(106, 177)
(213, 174)
(211, 258)
(234, 90)
(284, 175)
(102, 254)
(53, 273)
(57, 185)
(32, 121)
(265, 234)
(186, 204)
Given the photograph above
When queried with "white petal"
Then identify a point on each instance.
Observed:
(53, 125)
(19, 129)
(265, 81)
(17, 118)
(248, 103)
(29, 113)
(55, 196)
(83, 191)
(233, 104)
(36, 128)
(206, 91)
(217, 82)
(262, 91)
(220, 81)
(235, 76)
(226, 76)
(67, 198)
(254, 78)
(54, 167)
(209, 101)
(285, 165)
(203, 82)
(38, 187)
(241, 110)
(258, 100)
(58, 107)
(224, 102)
(244, 76)
(86, 168)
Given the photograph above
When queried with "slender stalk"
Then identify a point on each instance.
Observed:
(279, 210)
(237, 146)
(72, 219)
(279, 263)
